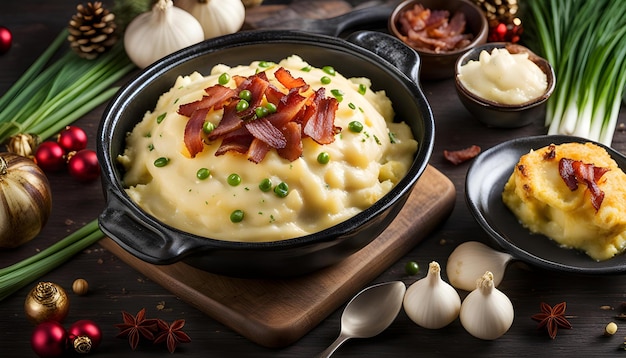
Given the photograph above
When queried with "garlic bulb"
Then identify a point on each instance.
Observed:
(431, 302)
(217, 17)
(486, 312)
(159, 32)
(470, 260)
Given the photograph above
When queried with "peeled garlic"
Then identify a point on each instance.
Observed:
(486, 312)
(159, 32)
(470, 260)
(217, 17)
(431, 302)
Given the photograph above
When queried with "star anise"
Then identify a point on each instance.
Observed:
(552, 318)
(171, 334)
(135, 327)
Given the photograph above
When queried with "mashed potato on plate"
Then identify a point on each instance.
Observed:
(540, 198)
(166, 182)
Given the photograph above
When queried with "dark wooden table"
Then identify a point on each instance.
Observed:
(116, 287)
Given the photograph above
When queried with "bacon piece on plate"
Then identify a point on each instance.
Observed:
(574, 172)
(459, 156)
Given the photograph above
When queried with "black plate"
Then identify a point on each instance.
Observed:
(483, 192)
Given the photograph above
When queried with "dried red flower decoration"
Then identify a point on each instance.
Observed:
(171, 334)
(135, 327)
(154, 330)
(552, 318)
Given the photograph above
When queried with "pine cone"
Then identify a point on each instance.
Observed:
(92, 30)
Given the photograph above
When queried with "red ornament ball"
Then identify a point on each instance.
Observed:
(6, 38)
(72, 138)
(49, 340)
(83, 165)
(85, 335)
(50, 156)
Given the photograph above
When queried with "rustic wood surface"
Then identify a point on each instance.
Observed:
(116, 287)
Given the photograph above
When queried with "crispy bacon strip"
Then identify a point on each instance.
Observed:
(217, 96)
(258, 150)
(299, 113)
(457, 157)
(193, 132)
(321, 126)
(574, 172)
(262, 129)
(286, 79)
(293, 134)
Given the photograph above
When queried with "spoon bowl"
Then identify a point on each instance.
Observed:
(369, 313)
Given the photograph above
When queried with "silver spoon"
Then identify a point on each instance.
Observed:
(369, 313)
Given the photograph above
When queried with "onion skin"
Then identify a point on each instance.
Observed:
(25, 200)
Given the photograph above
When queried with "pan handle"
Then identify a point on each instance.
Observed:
(391, 49)
(155, 245)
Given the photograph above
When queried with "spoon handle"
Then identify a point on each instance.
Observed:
(333, 347)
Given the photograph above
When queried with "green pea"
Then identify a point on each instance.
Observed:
(265, 185)
(306, 68)
(161, 162)
(329, 69)
(245, 94)
(271, 107)
(261, 112)
(355, 126)
(236, 216)
(265, 64)
(325, 80)
(411, 268)
(323, 158)
(242, 105)
(208, 127)
(203, 173)
(224, 78)
(234, 179)
(281, 190)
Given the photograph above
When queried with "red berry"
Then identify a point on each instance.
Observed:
(5, 39)
(72, 138)
(83, 165)
(50, 156)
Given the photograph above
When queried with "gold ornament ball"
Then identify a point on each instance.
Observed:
(47, 301)
(80, 286)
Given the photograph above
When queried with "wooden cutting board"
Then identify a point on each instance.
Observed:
(278, 312)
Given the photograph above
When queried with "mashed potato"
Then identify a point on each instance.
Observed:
(362, 168)
(542, 201)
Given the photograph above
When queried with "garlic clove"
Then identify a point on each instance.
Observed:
(470, 260)
(486, 313)
(159, 32)
(431, 302)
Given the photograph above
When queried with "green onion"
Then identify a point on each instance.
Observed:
(585, 41)
(18, 275)
(46, 99)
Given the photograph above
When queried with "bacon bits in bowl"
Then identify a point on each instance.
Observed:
(264, 153)
(440, 31)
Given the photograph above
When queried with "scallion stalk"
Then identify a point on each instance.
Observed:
(586, 44)
(18, 275)
(46, 99)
